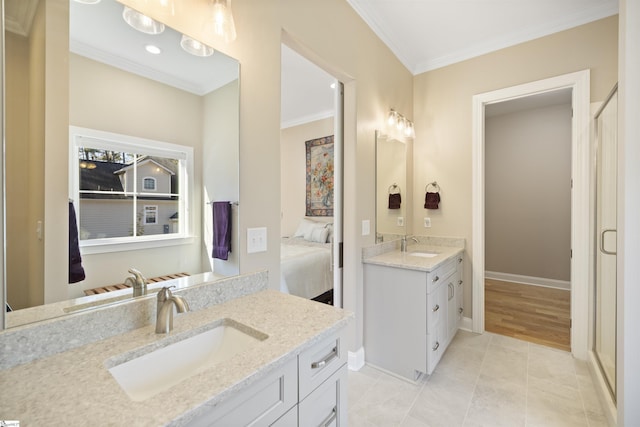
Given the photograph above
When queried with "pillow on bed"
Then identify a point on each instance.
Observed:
(317, 234)
(305, 226)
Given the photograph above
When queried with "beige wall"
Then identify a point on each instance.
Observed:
(220, 166)
(16, 169)
(528, 193)
(332, 34)
(442, 113)
(293, 170)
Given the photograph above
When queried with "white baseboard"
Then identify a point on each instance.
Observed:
(356, 359)
(528, 280)
(610, 411)
(466, 324)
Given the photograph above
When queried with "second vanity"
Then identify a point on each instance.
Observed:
(293, 371)
(413, 304)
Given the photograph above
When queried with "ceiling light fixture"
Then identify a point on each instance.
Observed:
(141, 22)
(194, 47)
(223, 25)
(153, 49)
(88, 1)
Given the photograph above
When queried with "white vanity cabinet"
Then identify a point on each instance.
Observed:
(410, 315)
(310, 389)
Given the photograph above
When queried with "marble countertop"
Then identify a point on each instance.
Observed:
(75, 388)
(398, 259)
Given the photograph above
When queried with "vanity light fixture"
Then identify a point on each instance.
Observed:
(223, 25)
(141, 22)
(400, 124)
(194, 47)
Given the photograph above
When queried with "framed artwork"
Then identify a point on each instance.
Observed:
(319, 176)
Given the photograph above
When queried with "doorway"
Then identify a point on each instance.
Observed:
(528, 218)
(578, 83)
(311, 180)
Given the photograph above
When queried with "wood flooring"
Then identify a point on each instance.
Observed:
(532, 313)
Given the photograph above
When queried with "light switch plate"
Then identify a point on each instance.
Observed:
(427, 222)
(366, 227)
(256, 240)
(400, 221)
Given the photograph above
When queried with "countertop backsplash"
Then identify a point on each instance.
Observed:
(24, 344)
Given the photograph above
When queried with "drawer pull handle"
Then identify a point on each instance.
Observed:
(459, 282)
(328, 358)
(331, 418)
(435, 347)
(459, 260)
(460, 310)
(435, 279)
(436, 308)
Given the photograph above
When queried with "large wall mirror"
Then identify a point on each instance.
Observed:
(393, 188)
(73, 65)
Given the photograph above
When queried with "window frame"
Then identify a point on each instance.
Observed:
(79, 137)
(152, 179)
(150, 208)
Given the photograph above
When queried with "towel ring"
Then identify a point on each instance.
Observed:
(434, 184)
(394, 187)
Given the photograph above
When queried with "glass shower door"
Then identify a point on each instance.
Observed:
(606, 212)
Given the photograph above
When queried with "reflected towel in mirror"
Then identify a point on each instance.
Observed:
(394, 201)
(76, 271)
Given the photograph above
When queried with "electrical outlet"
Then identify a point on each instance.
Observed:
(427, 223)
(256, 240)
(400, 221)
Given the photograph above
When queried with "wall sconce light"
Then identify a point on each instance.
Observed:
(141, 22)
(223, 25)
(194, 47)
(398, 124)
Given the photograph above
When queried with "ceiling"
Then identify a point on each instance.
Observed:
(429, 34)
(97, 31)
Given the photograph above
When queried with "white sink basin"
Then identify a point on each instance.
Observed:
(424, 254)
(145, 372)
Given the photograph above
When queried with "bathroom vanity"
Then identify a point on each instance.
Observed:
(279, 360)
(412, 307)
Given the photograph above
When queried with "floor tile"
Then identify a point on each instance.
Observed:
(482, 380)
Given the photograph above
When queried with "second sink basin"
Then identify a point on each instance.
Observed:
(424, 254)
(144, 375)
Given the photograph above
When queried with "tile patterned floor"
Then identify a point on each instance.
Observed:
(482, 380)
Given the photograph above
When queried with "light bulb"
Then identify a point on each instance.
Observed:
(223, 25)
(391, 120)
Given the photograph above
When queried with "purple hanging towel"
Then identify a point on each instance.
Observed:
(221, 230)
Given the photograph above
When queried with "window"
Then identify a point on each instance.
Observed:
(115, 177)
(149, 184)
(150, 214)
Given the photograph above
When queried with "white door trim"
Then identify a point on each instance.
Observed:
(580, 207)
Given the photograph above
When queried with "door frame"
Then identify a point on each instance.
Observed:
(580, 208)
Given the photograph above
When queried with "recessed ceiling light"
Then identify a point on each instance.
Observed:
(332, 85)
(153, 49)
(88, 1)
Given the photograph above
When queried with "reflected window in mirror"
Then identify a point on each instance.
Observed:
(127, 189)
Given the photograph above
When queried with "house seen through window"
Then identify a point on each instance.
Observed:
(126, 193)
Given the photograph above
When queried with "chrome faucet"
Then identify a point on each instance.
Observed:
(403, 243)
(164, 314)
(137, 282)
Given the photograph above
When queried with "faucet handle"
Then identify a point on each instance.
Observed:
(138, 275)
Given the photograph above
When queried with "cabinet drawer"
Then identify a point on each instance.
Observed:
(317, 363)
(259, 405)
(290, 419)
(441, 273)
(326, 405)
